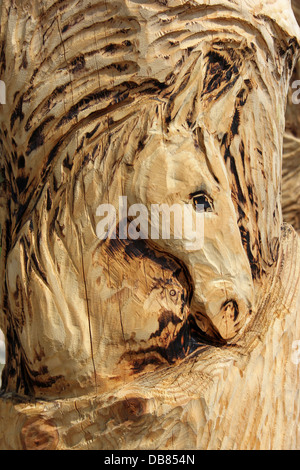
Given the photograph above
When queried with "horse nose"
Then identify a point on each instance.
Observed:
(220, 312)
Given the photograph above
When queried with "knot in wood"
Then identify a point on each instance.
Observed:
(132, 408)
(39, 434)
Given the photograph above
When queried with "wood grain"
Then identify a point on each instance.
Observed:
(147, 344)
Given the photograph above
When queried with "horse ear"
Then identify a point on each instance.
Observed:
(282, 12)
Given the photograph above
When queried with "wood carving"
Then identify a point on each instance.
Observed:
(147, 342)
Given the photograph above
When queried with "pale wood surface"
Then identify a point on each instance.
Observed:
(244, 396)
(148, 344)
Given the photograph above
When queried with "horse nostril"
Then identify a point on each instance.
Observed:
(231, 306)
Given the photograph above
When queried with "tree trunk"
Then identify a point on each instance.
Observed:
(138, 331)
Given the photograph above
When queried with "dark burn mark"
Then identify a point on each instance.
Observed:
(114, 48)
(119, 97)
(217, 61)
(24, 63)
(22, 183)
(235, 123)
(54, 183)
(21, 162)
(226, 88)
(42, 380)
(49, 200)
(232, 304)
(77, 64)
(173, 43)
(140, 249)
(248, 84)
(89, 135)
(83, 104)
(38, 268)
(242, 98)
(15, 96)
(53, 222)
(288, 52)
(200, 338)
(54, 151)
(37, 137)
(14, 196)
(2, 57)
(120, 67)
(293, 45)
(35, 72)
(142, 143)
(52, 100)
(164, 319)
(189, 121)
(254, 261)
(218, 68)
(177, 349)
(16, 370)
(242, 153)
(219, 72)
(251, 195)
(189, 339)
(21, 211)
(241, 212)
(14, 156)
(85, 161)
(67, 163)
(95, 150)
(80, 146)
(39, 240)
(237, 186)
(17, 113)
(72, 23)
(111, 48)
(172, 98)
(240, 201)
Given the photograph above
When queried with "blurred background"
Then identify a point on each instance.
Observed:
(2, 350)
(291, 146)
(290, 172)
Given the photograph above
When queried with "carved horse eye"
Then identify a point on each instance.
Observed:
(202, 203)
